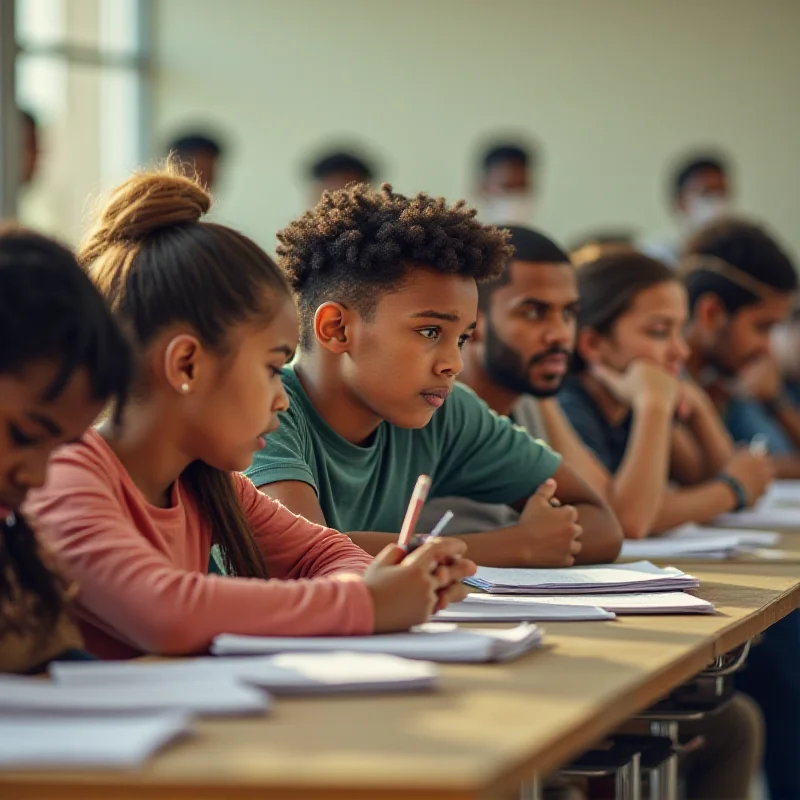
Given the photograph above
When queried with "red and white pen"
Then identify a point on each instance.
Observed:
(418, 498)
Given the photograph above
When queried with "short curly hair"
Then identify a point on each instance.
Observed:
(357, 244)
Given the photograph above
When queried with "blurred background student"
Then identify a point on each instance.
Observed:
(200, 154)
(700, 191)
(507, 183)
(334, 170)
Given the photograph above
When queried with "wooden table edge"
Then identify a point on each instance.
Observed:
(558, 752)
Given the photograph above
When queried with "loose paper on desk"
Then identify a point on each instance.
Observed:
(620, 604)
(287, 673)
(747, 538)
(517, 612)
(694, 541)
(714, 550)
(782, 493)
(433, 641)
(42, 741)
(761, 518)
(641, 576)
(200, 695)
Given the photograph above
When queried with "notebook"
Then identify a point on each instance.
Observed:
(287, 673)
(82, 741)
(198, 695)
(517, 612)
(433, 641)
(621, 604)
(641, 576)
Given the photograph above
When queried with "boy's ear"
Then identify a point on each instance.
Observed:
(331, 327)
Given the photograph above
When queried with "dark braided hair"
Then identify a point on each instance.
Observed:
(49, 310)
(357, 244)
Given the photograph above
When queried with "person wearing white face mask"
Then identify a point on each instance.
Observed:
(700, 193)
(506, 185)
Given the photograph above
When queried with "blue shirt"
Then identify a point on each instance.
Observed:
(606, 441)
(746, 418)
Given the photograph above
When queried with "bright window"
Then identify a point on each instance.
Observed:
(82, 73)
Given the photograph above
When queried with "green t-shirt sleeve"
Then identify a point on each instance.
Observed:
(487, 458)
(286, 456)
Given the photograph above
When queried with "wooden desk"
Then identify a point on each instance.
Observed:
(486, 730)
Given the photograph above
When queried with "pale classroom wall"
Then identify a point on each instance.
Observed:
(612, 89)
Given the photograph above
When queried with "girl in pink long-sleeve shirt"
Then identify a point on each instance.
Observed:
(132, 509)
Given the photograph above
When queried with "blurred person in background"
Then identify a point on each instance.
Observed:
(766, 398)
(741, 287)
(200, 153)
(700, 192)
(29, 139)
(507, 184)
(335, 170)
(786, 352)
(36, 203)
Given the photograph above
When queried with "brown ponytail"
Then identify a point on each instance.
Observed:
(158, 264)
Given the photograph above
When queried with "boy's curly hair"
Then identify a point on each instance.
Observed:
(357, 244)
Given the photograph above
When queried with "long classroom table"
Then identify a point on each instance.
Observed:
(486, 730)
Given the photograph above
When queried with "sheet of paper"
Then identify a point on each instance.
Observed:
(620, 604)
(199, 695)
(746, 538)
(712, 547)
(432, 642)
(638, 576)
(83, 741)
(782, 493)
(761, 518)
(287, 673)
(532, 612)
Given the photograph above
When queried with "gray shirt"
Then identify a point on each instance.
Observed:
(472, 516)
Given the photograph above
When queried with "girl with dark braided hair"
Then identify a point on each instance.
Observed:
(62, 358)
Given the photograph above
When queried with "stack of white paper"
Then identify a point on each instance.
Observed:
(641, 576)
(622, 604)
(288, 673)
(782, 493)
(694, 541)
(85, 741)
(762, 517)
(716, 549)
(198, 695)
(747, 538)
(467, 611)
(432, 642)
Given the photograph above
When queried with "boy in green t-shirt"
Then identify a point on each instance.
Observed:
(387, 291)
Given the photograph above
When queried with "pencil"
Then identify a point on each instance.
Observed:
(759, 445)
(441, 524)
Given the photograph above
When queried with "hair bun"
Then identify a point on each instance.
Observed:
(145, 203)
